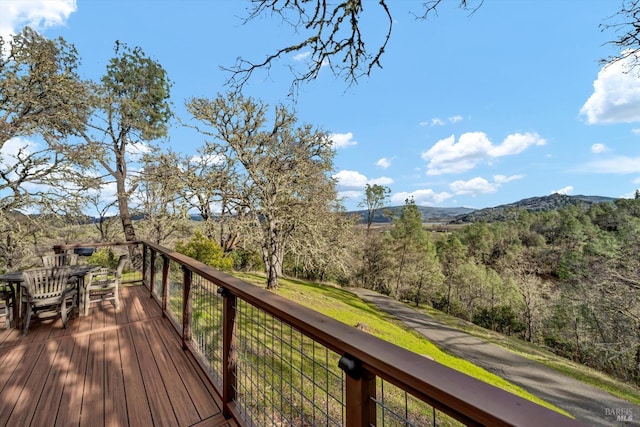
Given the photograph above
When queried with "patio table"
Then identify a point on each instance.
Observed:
(15, 280)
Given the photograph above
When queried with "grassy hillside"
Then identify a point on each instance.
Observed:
(349, 309)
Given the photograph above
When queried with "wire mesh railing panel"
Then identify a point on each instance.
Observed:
(397, 408)
(175, 297)
(283, 377)
(157, 277)
(207, 323)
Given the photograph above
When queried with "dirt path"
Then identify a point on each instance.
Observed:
(587, 403)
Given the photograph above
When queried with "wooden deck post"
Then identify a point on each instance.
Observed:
(229, 351)
(186, 306)
(152, 271)
(145, 261)
(360, 390)
(165, 285)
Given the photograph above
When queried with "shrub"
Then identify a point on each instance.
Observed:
(104, 258)
(206, 251)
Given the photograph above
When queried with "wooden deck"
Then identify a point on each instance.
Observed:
(109, 368)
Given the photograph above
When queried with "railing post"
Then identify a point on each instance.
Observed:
(186, 306)
(229, 352)
(165, 284)
(360, 393)
(145, 253)
(152, 270)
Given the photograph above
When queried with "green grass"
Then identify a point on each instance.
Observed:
(346, 307)
(538, 354)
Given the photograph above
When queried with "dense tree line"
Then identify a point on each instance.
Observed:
(567, 279)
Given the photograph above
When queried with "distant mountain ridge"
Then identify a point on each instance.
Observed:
(553, 201)
(429, 214)
(462, 215)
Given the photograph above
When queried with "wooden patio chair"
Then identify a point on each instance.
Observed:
(7, 302)
(103, 285)
(59, 260)
(46, 293)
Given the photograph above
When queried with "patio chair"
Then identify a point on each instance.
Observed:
(46, 293)
(59, 260)
(103, 285)
(7, 302)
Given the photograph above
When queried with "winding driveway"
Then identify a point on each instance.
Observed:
(586, 403)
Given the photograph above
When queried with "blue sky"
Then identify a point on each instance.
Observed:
(469, 110)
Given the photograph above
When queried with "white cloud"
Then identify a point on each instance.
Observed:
(473, 187)
(209, 159)
(501, 179)
(302, 55)
(636, 181)
(354, 180)
(38, 14)
(516, 144)
(616, 95)
(14, 145)
(618, 164)
(342, 140)
(636, 131)
(384, 163)
(437, 121)
(383, 180)
(449, 156)
(565, 190)
(350, 179)
(424, 197)
(599, 148)
(479, 185)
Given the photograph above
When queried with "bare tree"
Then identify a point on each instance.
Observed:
(626, 24)
(332, 34)
(284, 169)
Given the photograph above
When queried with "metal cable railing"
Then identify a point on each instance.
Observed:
(275, 363)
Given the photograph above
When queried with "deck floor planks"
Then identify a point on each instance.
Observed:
(15, 384)
(159, 402)
(93, 396)
(113, 367)
(199, 393)
(71, 400)
(33, 386)
(114, 392)
(54, 386)
(138, 410)
(181, 402)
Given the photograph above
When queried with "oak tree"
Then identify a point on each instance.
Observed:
(283, 166)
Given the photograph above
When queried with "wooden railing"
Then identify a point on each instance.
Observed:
(275, 362)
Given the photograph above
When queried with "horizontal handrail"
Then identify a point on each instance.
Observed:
(461, 396)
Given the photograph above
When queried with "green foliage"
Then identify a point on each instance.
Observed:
(137, 88)
(206, 251)
(104, 258)
(501, 318)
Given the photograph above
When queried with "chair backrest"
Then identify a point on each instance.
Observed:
(48, 282)
(59, 260)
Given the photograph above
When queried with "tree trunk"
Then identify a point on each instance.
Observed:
(127, 225)
(272, 252)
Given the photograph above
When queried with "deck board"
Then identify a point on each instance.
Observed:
(110, 368)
